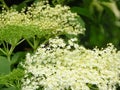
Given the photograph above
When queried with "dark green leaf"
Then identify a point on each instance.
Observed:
(17, 57)
(81, 11)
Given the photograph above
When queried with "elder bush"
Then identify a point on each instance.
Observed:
(62, 64)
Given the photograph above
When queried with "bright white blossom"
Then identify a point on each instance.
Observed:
(57, 67)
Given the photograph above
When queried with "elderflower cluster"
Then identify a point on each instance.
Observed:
(41, 14)
(68, 66)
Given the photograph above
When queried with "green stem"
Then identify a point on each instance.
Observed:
(20, 42)
(36, 43)
(8, 57)
(4, 46)
(3, 51)
(8, 52)
(12, 49)
(30, 43)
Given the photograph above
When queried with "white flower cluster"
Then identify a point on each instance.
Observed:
(58, 18)
(68, 66)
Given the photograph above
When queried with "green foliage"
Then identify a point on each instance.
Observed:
(10, 88)
(10, 37)
(15, 34)
(12, 79)
(101, 21)
(9, 78)
(92, 86)
(4, 65)
(62, 2)
(16, 58)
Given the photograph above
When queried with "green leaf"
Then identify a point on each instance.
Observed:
(17, 57)
(92, 86)
(20, 6)
(81, 11)
(10, 88)
(81, 22)
(113, 7)
(4, 65)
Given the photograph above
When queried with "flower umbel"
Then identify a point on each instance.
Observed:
(56, 67)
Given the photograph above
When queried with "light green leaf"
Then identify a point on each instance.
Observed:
(4, 65)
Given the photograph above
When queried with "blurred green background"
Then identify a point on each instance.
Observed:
(101, 18)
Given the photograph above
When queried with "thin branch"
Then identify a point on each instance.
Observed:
(3, 51)
(30, 43)
(20, 42)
